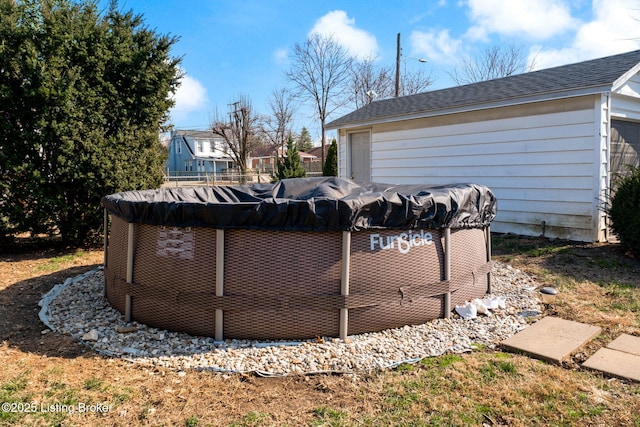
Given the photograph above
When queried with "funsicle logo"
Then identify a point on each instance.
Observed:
(403, 241)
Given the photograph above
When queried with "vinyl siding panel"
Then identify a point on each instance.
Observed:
(630, 87)
(625, 103)
(541, 164)
(626, 108)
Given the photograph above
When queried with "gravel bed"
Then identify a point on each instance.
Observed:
(78, 308)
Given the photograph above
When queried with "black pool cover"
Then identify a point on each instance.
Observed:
(309, 204)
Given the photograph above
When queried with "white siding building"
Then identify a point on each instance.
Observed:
(548, 143)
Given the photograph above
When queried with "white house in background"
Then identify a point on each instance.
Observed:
(195, 153)
(548, 143)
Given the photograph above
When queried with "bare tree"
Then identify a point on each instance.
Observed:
(495, 62)
(239, 132)
(320, 71)
(277, 126)
(369, 82)
(412, 82)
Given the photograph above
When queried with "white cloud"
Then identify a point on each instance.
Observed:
(338, 25)
(537, 20)
(281, 56)
(614, 29)
(436, 46)
(190, 97)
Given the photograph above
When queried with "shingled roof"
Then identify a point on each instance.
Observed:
(573, 79)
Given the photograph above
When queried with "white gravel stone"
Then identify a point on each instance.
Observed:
(92, 335)
(79, 306)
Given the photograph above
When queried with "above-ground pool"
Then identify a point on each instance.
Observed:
(297, 259)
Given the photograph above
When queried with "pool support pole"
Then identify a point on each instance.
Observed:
(447, 271)
(218, 333)
(130, 249)
(106, 236)
(106, 248)
(487, 232)
(344, 282)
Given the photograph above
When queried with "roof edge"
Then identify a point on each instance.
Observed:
(625, 77)
(466, 108)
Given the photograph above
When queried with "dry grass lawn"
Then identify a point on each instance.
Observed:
(43, 374)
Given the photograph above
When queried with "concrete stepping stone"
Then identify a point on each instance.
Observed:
(552, 338)
(626, 343)
(620, 358)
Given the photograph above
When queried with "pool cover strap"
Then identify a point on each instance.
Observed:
(403, 295)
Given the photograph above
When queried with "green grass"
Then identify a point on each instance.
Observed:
(624, 297)
(606, 264)
(545, 250)
(121, 395)
(56, 263)
(54, 393)
(92, 384)
(405, 367)
(14, 385)
(13, 392)
(442, 361)
(329, 417)
(493, 369)
(253, 419)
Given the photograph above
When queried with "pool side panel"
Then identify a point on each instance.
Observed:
(379, 266)
(116, 267)
(166, 273)
(282, 265)
(469, 265)
(287, 285)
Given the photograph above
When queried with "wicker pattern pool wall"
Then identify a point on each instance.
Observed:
(278, 284)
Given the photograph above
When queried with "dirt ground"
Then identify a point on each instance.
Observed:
(48, 379)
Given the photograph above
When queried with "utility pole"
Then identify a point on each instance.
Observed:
(239, 131)
(398, 55)
(234, 114)
(398, 60)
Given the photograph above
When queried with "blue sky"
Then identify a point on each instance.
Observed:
(233, 48)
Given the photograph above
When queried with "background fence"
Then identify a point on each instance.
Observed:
(229, 176)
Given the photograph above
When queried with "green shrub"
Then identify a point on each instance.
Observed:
(624, 210)
(330, 167)
(83, 93)
(291, 165)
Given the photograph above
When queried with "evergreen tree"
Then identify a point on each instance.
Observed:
(84, 96)
(291, 165)
(330, 167)
(304, 142)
